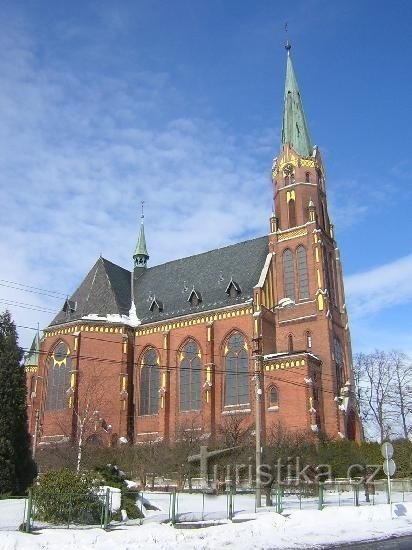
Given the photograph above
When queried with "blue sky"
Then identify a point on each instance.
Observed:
(105, 104)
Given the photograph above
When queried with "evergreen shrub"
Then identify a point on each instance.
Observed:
(64, 496)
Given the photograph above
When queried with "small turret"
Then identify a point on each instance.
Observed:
(141, 255)
(32, 358)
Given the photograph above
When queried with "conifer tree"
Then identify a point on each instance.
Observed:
(17, 468)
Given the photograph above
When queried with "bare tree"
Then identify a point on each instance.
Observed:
(375, 379)
(235, 430)
(188, 439)
(401, 399)
(91, 425)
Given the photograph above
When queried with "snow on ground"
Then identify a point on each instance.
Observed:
(293, 529)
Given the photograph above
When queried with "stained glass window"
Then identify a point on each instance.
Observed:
(273, 397)
(236, 371)
(339, 361)
(59, 365)
(288, 274)
(149, 383)
(303, 279)
(190, 377)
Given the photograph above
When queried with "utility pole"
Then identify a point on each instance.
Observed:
(257, 352)
(36, 433)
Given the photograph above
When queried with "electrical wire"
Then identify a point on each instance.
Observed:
(5, 282)
(250, 375)
(24, 305)
(325, 376)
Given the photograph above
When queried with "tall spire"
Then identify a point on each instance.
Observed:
(295, 131)
(141, 255)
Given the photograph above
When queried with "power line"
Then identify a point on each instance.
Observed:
(45, 293)
(57, 293)
(24, 305)
(324, 376)
(250, 375)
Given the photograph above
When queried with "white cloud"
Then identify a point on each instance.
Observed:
(379, 288)
(79, 153)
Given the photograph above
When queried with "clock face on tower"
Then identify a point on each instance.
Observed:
(288, 170)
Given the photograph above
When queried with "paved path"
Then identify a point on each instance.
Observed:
(394, 543)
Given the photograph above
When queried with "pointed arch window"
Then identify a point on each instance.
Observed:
(149, 383)
(290, 343)
(339, 362)
(273, 397)
(288, 275)
(332, 278)
(236, 371)
(303, 280)
(59, 366)
(190, 377)
(292, 213)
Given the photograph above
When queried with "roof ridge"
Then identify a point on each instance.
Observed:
(110, 283)
(206, 252)
(105, 260)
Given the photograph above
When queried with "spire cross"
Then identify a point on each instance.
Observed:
(288, 44)
(142, 216)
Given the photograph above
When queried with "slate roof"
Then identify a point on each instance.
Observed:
(106, 288)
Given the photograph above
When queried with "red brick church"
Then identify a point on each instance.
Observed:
(138, 355)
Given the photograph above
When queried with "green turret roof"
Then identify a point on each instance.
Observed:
(295, 131)
(32, 359)
(140, 254)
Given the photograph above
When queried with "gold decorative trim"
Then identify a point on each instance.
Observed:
(285, 365)
(30, 369)
(195, 321)
(84, 328)
(292, 234)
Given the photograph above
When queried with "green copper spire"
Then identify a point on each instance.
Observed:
(141, 255)
(295, 131)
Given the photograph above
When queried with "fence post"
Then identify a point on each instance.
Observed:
(356, 489)
(230, 504)
(106, 509)
(320, 505)
(203, 505)
(280, 499)
(173, 507)
(29, 511)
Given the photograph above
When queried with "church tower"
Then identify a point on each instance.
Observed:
(310, 312)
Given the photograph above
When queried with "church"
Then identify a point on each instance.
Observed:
(254, 328)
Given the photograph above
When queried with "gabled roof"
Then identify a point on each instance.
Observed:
(106, 288)
(209, 273)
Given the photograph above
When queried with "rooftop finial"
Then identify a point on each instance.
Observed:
(288, 44)
(142, 216)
